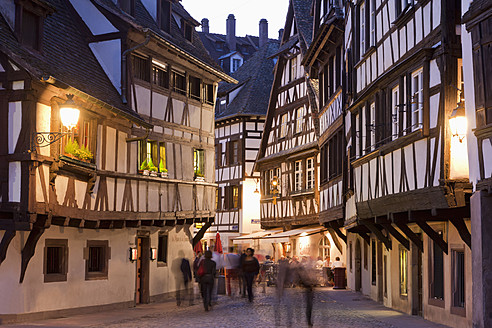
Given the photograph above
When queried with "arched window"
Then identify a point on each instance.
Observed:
(324, 247)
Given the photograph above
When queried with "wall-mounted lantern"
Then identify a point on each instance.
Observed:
(274, 184)
(133, 254)
(153, 254)
(256, 190)
(69, 115)
(457, 121)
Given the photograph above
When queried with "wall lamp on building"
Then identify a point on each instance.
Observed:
(133, 254)
(274, 184)
(69, 115)
(153, 254)
(256, 190)
(457, 121)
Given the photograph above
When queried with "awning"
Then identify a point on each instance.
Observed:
(283, 237)
(245, 239)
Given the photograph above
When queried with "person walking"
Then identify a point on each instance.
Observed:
(206, 273)
(251, 268)
(186, 279)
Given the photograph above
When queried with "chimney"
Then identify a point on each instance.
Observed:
(205, 25)
(263, 36)
(231, 32)
(280, 33)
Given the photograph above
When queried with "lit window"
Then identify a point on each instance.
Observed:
(160, 74)
(293, 68)
(417, 99)
(283, 126)
(403, 271)
(300, 112)
(310, 173)
(298, 175)
(235, 197)
(199, 162)
(78, 144)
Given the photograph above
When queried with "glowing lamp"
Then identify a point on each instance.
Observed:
(69, 113)
(274, 182)
(133, 254)
(457, 122)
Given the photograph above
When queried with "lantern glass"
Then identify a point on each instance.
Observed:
(458, 126)
(69, 113)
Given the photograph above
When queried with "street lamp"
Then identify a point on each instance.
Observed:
(457, 121)
(69, 115)
(274, 184)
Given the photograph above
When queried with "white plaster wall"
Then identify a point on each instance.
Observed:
(15, 124)
(43, 124)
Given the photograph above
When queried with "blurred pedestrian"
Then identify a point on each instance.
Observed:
(283, 277)
(206, 272)
(251, 268)
(242, 279)
(307, 279)
(184, 281)
(328, 275)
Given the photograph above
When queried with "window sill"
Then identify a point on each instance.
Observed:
(199, 179)
(401, 19)
(461, 311)
(147, 173)
(161, 264)
(78, 162)
(96, 276)
(436, 302)
(55, 277)
(302, 192)
(484, 131)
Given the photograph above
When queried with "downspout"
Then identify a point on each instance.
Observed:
(123, 64)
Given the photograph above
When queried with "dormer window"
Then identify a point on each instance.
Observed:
(164, 15)
(187, 30)
(29, 19)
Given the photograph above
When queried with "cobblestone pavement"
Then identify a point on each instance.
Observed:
(340, 309)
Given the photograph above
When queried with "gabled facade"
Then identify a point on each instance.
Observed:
(288, 160)
(86, 224)
(407, 209)
(239, 122)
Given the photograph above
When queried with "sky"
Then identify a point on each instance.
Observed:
(248, 14)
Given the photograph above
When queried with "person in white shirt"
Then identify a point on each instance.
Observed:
(337, 263)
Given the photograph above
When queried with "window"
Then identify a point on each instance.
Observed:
(218, 155)
(127, 6)
(195, 86)
(208, 93)
(164, 18)
(187, 30)
(373, 262)
(55, 260)
(162, 247)
(403, 271)
(97, 254)
(335, 154)
(436, 271)
(400, 6)
(234, 151)
(29, 19)
(300, 112)
(372, 18)
(141, 68)
(293, 68)
(235, 197)
(218, 198)
(417, 99)
(283, 126)
(274, 174)
(310, 173)
(179, 82)
(297, 175)
(236, 63)
(357, 135)
(458, 279)
(362, 35)
(395, 112)
(79, 144)
(152, 156)
(350, 256)
(372, 126)
(160, 74)
(199, 162)
(366, 255)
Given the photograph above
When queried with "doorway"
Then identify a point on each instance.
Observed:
(416, 278)
(142, 294)
(358, 267)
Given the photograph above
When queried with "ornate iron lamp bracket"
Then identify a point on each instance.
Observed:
(43, 139)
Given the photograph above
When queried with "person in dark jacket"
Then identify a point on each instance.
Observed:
(251, 268)
(207, 278)
(183, 279)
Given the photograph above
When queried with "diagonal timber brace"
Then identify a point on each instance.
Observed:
(433, 235)
(335, 239)
(395, 233)
(201, 232)
(4, 244)
(30, 246)
(460, 225)
(375, 230)
(411, 235)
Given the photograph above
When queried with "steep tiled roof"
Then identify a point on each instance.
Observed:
(143, 19)
(211, 39)
(65, 56)
(304, 20)
(255, 78)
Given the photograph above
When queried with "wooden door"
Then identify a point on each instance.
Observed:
(142, 294)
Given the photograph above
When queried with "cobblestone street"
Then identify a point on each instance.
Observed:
(332, 308)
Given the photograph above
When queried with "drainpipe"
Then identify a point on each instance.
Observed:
(123, 64)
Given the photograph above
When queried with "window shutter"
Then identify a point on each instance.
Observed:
(227, 153)
(240, 150)
(239, 196)
(226, 197)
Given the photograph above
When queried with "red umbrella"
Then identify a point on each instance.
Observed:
(218, 244)
(198, 247)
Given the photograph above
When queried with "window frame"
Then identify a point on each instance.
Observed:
(310, 173)
(198, 165)
(284, 128)
(298, 181)
(103, 273)
(403, 265)
(56, 276)
(433, 300)
(162, 255)
(300, 115)
(461, 308)
(395, 112)
(417, 105)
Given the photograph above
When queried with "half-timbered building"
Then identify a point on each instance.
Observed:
(324, 61)
(407, 211)
(97, 213)
(288, 159)
(477, 75)
(239, 122)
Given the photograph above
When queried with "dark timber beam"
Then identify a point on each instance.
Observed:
(4, 245)
(433, 235)
(30, 246)
(395, 233)
(336, 228)
(460, 225)
(375, 230)
(410, 234)
(364, 236)
(201, 232)
(335, 239)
